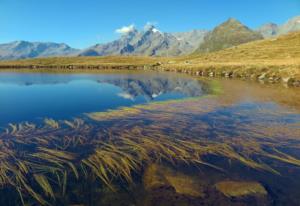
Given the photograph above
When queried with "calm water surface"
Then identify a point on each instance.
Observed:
(34, 96)
(142, 138)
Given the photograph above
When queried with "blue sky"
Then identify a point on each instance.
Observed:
(84, 23)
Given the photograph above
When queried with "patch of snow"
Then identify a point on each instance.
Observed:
(155, 30)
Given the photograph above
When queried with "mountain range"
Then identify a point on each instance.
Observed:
(149, 42)
(25, 49)
(272, 29)
(152, 42)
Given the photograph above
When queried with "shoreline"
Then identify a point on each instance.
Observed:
(271, 74)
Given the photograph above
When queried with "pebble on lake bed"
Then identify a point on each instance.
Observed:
(157, 176)
(240, 188)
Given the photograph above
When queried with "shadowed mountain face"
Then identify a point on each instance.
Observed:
(228, 34)
(271, 29)
(150, 42)
(24, 49)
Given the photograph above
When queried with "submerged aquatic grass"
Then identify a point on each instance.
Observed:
(172, 132)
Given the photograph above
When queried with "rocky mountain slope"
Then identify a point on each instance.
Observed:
(149, 42)
(268, 30)
(228, 34)
(271, 29)
(24, 49)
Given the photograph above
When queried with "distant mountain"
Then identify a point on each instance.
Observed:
(271, 29)
(228, 34)
(24, 49)
(149, 42)
(152, 42)
(291, 25)
(193, 38)
(268, 30)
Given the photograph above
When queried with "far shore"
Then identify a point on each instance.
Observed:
(267, 72)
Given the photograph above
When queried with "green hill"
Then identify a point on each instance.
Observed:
(228, 34)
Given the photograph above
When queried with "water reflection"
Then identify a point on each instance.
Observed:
(228, 149)
(34, 96)
(157, 86)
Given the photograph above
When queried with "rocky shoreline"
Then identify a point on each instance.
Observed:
(271, 74)
(263, 76)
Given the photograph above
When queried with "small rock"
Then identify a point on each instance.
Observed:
(253, 76)
(241, 188)
(288, 80)
(296, 83)
(227, 74)
(157, 176)
(262, 76)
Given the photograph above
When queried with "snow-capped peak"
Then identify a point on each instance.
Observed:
(155, 30)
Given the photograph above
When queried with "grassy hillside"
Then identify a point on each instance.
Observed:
(228, 34)
(108, 60)
(275, 58)
(285, 48)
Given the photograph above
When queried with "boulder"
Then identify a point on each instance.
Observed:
(157, 176)
(241, 188)
(288, 80)
(262, 76)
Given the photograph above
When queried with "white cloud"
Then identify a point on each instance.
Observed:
(125, 29)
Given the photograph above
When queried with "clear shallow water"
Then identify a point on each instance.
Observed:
(237, 144)
(34, 96)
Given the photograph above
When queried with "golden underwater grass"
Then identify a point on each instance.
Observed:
(116, 152)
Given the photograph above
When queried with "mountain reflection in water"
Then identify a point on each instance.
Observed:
(63, 96)
(151, 88)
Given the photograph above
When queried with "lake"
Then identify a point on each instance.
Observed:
(147, 138)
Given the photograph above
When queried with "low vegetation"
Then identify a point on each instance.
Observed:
(272, 60)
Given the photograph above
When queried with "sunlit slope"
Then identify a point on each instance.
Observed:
(277, 57)
(108, 60)
(284, 49)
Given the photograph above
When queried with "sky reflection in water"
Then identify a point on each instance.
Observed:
(34, 96)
